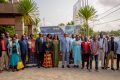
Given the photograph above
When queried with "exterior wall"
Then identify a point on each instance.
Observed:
(9, 15)
(8, 8)
(7, 21)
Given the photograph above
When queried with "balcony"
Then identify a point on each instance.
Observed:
(9, 8)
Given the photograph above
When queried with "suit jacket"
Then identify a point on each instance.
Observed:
(109, 46)
(65, 45)
(23, 46)
(39, 45)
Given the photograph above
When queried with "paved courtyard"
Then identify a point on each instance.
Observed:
(60, 74)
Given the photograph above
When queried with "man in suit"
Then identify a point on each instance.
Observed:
(24, 49)
(39, 50)
(112, 46)
(65, 49)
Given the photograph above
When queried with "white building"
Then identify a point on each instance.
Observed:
(76, 7)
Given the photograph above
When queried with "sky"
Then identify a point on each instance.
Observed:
(53, 12)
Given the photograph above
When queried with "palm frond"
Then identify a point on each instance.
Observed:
(27, 8)
(86, 12)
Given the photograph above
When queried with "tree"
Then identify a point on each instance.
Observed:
(10, 29)
(86, 13)
(61, 24)
(3, 1)
(70, 23)
(28, 8)
(35, 29)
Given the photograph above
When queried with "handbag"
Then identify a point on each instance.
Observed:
(20, 65)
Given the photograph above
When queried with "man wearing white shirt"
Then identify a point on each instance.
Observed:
(118, 53)
(101, 41)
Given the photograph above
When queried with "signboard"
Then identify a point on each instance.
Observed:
(52, 30)
(70, 29)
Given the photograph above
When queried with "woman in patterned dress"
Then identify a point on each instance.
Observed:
(47, 47)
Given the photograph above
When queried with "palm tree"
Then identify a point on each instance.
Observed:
(28, 8)
(86, 13)
(3, 1)
(37, 21)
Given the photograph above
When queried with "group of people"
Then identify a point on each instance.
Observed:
(47, 51)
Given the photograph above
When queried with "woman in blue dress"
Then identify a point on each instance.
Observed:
(76, 48)
(13, 47)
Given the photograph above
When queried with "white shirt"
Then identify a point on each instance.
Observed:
(101, 42)
(118, 49)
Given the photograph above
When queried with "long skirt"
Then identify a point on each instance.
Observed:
(32, 59)
(47, 63)
(14, 58)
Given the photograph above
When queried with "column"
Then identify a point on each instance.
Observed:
(30, 29)
(19, 24)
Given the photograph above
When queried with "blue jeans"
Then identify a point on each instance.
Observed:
(65, 56)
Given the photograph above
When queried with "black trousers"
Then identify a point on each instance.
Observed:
(118, 60)
(40, 57)
(96, 61)
(85, 58)
(23, 57)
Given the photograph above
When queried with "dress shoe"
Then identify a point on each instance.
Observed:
(62, 66)
(102, 68)
(117, 69)
(112, 69)
(68, 66)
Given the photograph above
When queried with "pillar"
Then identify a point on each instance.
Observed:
(19, 24)
(30, 29)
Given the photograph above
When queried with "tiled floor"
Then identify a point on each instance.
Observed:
(60, 74)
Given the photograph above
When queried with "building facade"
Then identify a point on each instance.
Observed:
(76, 7)
(13, 1)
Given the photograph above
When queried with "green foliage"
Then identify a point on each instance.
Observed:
(29, 9)
(26, 29)
(70, 23)
(84, 28)
(86, 13)
(35, 29)
(3, 1)
(113, 32)
(10, 29)
(61, 24)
